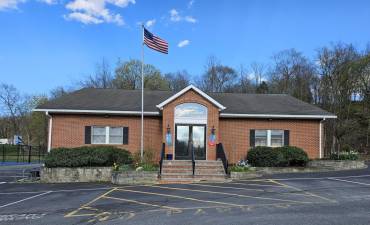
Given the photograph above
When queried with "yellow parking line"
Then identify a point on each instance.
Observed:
(141, 203)
(181, 197)
(239, 188)
(231, 194)
(84, 206)
(303, 191)
(262, 185)
(208, 185)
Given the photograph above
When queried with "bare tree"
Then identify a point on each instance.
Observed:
(178, 80)
(258, 71)
(292, 74)
(217, 77)
(101, 78)
(10, 100)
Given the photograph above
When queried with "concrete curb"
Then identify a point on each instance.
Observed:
(313, 166)
(135, 177)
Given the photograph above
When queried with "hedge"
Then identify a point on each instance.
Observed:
(277, 157)
(87, 156)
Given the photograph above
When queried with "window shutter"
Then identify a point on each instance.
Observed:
(286, 137)
(125, 136)
(251, 138)
(88, 135)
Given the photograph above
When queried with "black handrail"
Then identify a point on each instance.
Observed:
(192, 158)
(162, 158)
(220, 154)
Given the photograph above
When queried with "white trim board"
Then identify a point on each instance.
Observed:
(96, 112)
(178, 94)
(234, 115)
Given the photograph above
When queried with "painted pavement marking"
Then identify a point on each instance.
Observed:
(303, 191)
(232, 194)
(85, 206)
(261, 185)
(349, 181)
(141, 203)
(25, 199)
(248, 189)
(17, 217)
(181, 197)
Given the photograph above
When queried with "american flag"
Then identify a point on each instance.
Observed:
(155, 42)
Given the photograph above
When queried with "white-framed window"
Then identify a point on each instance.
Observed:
(271, 138)
(277, 138)
(260, 138)
(115, 135)
(106, 135)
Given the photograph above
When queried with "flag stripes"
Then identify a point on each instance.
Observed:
(155, 42)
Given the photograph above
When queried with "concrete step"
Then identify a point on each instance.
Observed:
(190, 167)
(181, 171)
(196, 176)
(202, 171)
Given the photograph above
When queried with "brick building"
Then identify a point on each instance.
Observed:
(188, 118)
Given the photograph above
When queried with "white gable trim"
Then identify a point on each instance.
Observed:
(111, 112)
(235, 115)
(178, 94)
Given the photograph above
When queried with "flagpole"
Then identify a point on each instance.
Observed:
(142, 96)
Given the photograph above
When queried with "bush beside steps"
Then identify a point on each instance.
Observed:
(287, 156)
(87, 156)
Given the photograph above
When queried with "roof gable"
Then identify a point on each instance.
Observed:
(197, 90)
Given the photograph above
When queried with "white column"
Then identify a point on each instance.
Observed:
(50, 130)
(320, 138)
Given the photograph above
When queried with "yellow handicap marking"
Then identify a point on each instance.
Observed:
(141, 203)
(248, 189)
(87, 207)
(180, 197)
(303, 191)
(232, 194)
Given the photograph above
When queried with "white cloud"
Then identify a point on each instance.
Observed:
(10, 4)
(49, 2)
(190, 4)
(95, 11)
(183, 43)
(190, 19)
(150, 23)
(176, 17)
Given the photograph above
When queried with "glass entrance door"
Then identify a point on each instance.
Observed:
(188, 136)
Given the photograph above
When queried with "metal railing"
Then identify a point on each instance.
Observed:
(193, 158)
(22, 154)
(162, 158)
(220, 154)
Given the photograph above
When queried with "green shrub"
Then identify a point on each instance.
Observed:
(149, 157)
(293, 156)
(237, 168)
(87, 156)
(344, 156)
(277, 157)
(149, 167)
(264, 157)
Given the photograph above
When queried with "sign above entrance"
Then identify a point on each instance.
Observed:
(191, 113)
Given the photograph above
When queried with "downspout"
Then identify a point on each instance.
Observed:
(320, 137)
(50, 129)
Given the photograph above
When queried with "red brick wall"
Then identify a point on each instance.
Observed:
(69, 130)
(191, 97)
(234, 135)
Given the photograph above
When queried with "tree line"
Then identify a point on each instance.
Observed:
(337, 79)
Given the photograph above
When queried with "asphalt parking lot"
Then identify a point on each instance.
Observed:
(321, 198)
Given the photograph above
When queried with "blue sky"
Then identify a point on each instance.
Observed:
(49, 43)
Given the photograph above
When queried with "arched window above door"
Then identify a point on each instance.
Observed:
(191, 113)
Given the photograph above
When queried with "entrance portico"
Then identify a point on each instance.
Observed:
(189, 119)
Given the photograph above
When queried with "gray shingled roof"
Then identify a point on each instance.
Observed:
(129, 100)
